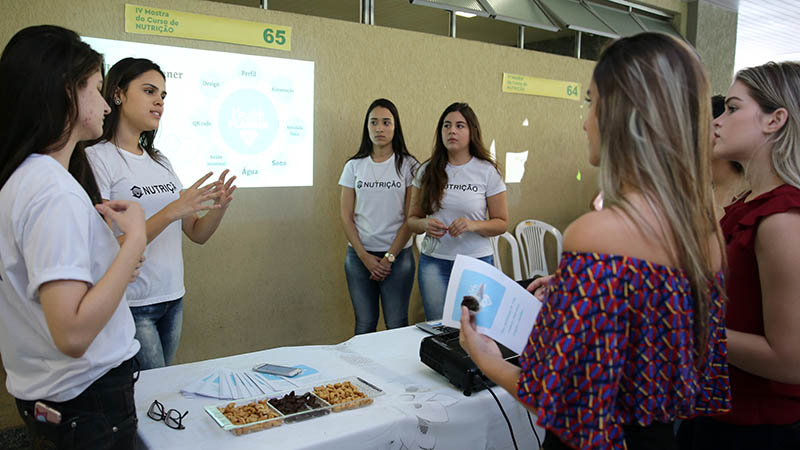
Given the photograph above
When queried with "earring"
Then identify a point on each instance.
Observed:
(117, 101)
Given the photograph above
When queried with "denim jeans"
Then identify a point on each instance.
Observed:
(102, 417)
(394, 291)
(434, 274)
(158, 330)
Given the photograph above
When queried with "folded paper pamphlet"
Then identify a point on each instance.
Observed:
(507, 311)
(229, 384)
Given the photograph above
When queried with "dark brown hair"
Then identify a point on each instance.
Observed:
(41, 70)
(434, 178)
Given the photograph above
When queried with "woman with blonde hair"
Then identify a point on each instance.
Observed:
(631, 333)
(760, 129)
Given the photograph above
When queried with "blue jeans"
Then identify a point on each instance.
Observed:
(158, 330)
(394, 291)
(434, 274)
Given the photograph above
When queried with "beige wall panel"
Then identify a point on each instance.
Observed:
(716, 42)
(273, 273)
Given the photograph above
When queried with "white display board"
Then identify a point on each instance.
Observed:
(251, 114)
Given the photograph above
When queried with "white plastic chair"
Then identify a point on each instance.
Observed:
(530, 235)
(512, 243)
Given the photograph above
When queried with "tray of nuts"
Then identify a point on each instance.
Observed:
(260, 413)
(347, 393)
(246, 416)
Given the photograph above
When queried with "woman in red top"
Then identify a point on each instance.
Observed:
(761, 130)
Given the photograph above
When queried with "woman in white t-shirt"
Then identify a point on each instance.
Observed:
(66, 334)
(451, 195)
(376, 190)
(127, 166)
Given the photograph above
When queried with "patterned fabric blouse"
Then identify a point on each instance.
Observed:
(614, 345)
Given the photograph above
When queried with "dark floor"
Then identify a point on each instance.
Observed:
(14, 439)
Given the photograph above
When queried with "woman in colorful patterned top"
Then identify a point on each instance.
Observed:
(631, 333)
(761, 130)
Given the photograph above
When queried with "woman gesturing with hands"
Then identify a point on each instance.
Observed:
(126, 166)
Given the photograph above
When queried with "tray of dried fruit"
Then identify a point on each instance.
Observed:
(263, 412)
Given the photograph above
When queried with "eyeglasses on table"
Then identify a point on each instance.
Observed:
(172, 417)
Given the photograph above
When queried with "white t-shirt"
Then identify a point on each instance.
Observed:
(121, 175)
(380, 199)
(465, 194)
(49, 231)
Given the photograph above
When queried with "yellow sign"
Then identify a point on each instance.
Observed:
(166, 22)
(521, 84)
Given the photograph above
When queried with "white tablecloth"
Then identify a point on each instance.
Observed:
(420, 409)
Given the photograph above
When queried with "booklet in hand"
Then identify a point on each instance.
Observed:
(506, 311)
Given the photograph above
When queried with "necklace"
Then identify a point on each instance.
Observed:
(384, 170)
(455, 170)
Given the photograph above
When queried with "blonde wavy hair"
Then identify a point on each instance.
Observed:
(774, 86)
(654, 120)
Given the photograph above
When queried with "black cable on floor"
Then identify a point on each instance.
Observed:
(530, 421)
(508, 422)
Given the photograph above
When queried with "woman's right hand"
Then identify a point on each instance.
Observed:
(377, 270)
(194, 199)
(435, 227)
(538, 286)
(128, 215)
(135, 274)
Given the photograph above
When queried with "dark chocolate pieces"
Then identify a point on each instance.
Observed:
(471, 303)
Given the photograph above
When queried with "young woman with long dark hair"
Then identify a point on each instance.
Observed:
(376, 189)
(127, 166)
(458, 200)
(66, 333)
(631, 334)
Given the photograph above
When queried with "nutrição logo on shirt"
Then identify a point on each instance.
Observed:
(378, 184)
(462, 187)
(138, 192)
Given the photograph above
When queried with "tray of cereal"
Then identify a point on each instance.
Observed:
(347, 393)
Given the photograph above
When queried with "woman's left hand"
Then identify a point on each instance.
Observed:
(479, 346)
(384, 269)
(226, 189)
(461, 225)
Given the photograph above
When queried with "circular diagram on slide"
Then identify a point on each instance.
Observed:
(248, 121)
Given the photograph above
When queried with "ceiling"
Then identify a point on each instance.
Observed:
(767, 29)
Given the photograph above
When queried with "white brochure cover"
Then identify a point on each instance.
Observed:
(507, 312)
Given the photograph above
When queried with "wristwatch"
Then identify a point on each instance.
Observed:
(389, 257)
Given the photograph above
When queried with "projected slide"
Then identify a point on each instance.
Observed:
(251, 114)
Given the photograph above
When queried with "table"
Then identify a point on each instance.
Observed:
(420, 409)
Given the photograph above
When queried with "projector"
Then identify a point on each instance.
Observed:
(444, 354)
